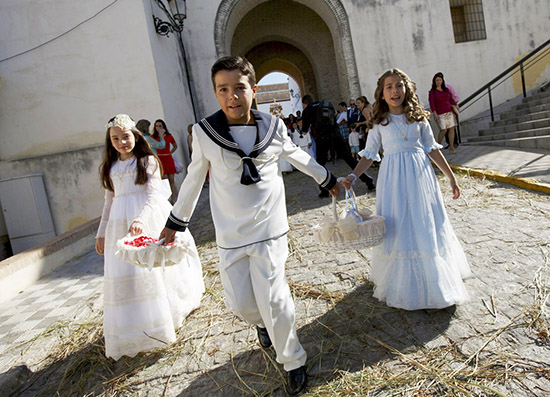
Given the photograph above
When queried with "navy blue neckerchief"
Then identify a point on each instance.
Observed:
(217, 129)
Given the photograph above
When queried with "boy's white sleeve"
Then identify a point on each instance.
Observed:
(154, 191)
(305, 163)
(105, 214)
(190, 189)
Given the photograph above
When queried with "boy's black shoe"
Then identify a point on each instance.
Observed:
(371, 187)
(263, 337)
(296, 381)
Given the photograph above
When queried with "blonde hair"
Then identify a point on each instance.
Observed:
(412, 109)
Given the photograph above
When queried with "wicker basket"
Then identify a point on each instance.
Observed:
(153, 254)
(356, 229)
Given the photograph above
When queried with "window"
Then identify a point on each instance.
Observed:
(468, 20)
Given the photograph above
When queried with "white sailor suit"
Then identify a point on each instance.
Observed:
(247, 200)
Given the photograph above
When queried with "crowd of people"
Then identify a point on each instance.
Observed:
(352, 120)
(420, 263)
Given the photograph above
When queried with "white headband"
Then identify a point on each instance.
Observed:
(123, 121)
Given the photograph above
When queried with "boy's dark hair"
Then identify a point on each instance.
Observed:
(307, 99)
(343, 104)
(234, 62)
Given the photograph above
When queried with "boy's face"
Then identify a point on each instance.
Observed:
(235, 95)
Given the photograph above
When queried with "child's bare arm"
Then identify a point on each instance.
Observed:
(360, 168)
(442, 164)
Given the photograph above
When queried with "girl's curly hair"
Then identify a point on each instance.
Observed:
(412, 108)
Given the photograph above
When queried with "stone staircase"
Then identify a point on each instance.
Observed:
(525, 126)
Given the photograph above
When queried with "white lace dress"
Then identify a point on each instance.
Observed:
(420, 263)
(143, 308)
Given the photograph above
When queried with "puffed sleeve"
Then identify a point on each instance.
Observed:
(374, 143)
(154, 188)
(105, 214)
(427, 137)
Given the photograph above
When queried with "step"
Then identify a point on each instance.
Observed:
(524, 111)
(519, 119)
(531, 103)
(511, 135)
(536, 96)
(526, 125)
(538, 142)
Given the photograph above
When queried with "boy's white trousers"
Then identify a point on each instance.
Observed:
(254, 281)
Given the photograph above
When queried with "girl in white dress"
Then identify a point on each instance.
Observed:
(420, 263)
(142, 308)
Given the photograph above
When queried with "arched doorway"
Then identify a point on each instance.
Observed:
(314, 47)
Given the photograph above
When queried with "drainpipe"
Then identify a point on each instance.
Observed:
(188, 77)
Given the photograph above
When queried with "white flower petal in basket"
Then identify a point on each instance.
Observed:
(154, 255)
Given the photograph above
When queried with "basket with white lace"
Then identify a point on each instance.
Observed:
(144, 251)
(354, 228)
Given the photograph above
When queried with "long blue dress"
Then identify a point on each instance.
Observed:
(420, 263)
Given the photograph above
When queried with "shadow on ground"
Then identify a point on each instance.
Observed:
(357, 332)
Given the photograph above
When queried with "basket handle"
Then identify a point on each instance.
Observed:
(334, 211)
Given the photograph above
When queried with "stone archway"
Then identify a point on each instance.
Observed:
(275, 56)
(321, 36)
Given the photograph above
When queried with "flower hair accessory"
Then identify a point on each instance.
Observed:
(123, 121)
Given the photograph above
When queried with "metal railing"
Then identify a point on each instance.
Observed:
(519, 67)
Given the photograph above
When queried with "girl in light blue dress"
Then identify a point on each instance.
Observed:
(420, 263)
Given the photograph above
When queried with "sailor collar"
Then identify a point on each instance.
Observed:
(217, 129)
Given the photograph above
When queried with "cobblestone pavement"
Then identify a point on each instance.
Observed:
(497, 341)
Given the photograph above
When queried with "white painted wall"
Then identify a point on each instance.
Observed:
(56, 99)
(59, 96)
(417, 37)
(198, 36)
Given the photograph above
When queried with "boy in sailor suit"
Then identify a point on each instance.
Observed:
(241, 149)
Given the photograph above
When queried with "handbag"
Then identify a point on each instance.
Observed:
(455, 109)
(179, 166)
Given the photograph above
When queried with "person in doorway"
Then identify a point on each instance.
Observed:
(241, 147)
(353, 114)
(342, 120)
(325, 135)
(365, 115)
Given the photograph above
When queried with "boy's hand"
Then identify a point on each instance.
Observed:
(335, 190)
(100, 245)
(168, 235)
